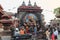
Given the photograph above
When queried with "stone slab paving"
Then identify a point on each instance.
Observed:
(59, 37)
(9, 37)
(5, 37)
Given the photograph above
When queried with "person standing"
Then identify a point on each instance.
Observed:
(27, 29)
(35, 30)
(56, 34)
(52, 35)
(16, 32)
(47, 34)
(22, 31)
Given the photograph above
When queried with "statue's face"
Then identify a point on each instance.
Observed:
(30, 17)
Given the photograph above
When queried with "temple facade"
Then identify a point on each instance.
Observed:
(31, 15)
(27, 12)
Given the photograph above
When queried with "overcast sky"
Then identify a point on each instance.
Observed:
(47, 5)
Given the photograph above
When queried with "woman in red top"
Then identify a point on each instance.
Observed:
(53, 37)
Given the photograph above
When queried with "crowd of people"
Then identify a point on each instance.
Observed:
(52, 33)
(27, 28)
(33, 27)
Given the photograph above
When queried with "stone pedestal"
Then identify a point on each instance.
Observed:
(6, 33)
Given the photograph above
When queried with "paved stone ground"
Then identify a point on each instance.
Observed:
(6, 38)
(59, 37)
(9, 37)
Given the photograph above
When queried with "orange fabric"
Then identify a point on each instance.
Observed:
(22, 32)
